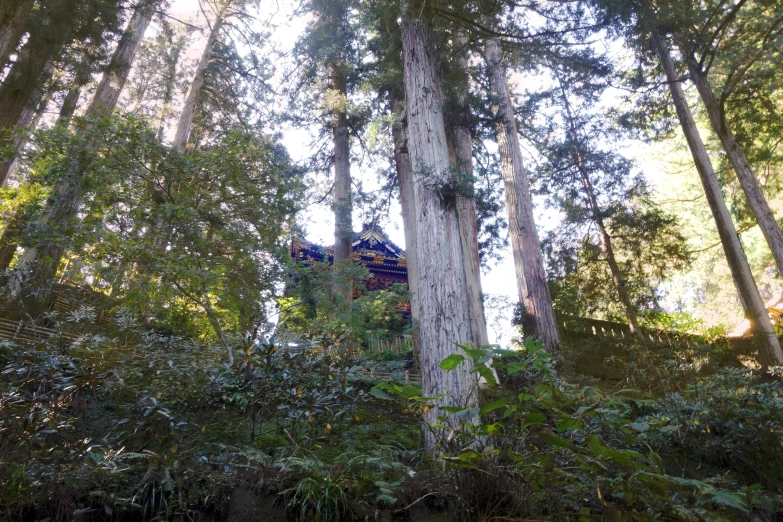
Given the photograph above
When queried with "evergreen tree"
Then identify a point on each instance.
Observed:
(330, 56)
(460, 134)
(528, 258)
(609, 218)
(443, 310)
(769, 346)
(641, 29)
(13, 14)
(50, 28)
(63, 204)
(689, 44)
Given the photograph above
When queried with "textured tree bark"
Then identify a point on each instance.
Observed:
(10, 237)
(528, 258)
(745, 175)
(71, 101)
(108, 92)
(402, 164)
(769, 347)
(28, 119)
(444, 311)
(63, 204)
(170, 79)
(12, 18)
(343, 226)
(9, 241)
(21, 90)
(466, 211)
(196, 85)
(606, 239)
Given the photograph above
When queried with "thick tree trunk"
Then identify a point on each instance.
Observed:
(444, 311)
(12, 18)
(71, 101)
(65, 199)
(113, 80)
(196, 85)
(20, 93)
(9, 241)
(745, 175)
(769, 348)
(528, 258)
(10, 237)
(170, 81)
(28, 119)
(343, 226)
(466, 211)
(402, 163)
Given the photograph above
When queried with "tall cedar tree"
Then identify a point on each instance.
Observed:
(63, 204)
(50, 29)
(770, 353)
(460, 134)
(444, 311)
(13, 14)
(528, 258)
(330, 60)
(639, 27)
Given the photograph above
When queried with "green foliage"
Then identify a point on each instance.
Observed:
(311, 312)
(608, 213)
(707, 451)
(346, 487)
(209, 241)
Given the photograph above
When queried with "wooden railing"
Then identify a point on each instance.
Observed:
(64, 299)
(586, 327)
(26, 332)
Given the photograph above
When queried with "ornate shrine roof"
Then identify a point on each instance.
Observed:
(371, 247)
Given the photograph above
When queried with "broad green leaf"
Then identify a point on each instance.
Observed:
(594, 444)
(452, 361)
(377, 392)
(473, 353)
(409, 391)
(554, 440)
(532, 418)
(493, 406)
(568, 424)
(451, 409)
(533, 346)
(485, 372)
(515, 367)
(656, 462)
(468, 414)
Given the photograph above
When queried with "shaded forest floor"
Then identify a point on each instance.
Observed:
(131, 424)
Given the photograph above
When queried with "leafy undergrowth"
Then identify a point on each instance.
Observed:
(142, 426)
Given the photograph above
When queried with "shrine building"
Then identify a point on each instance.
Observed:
(372, 248)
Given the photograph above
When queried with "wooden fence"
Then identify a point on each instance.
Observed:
(585, 327)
